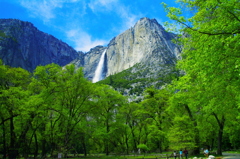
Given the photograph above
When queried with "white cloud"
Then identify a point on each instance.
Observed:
(102, 5)
(43, 9)
(71, 14)
(127, 18)
(83, 41)
(47, 10)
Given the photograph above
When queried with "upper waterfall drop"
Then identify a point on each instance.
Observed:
(99, 71)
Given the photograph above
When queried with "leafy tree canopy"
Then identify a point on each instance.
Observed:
(210, 58)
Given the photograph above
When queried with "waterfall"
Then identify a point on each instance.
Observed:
(99, 71)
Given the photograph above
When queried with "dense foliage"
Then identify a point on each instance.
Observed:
(133, 81)
(56, 110)
(209, 92)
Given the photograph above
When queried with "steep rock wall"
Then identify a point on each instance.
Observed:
(146, 41)
(91, 60)
(23, 45)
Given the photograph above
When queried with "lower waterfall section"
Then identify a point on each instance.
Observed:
(99, 71)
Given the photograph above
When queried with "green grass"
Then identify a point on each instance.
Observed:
(113, 157)
(101, 156)
(132, 156)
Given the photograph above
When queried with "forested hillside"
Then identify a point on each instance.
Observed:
(133, 81)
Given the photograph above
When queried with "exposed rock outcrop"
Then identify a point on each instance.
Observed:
(90, 61)
(23, 45)
(147, 41)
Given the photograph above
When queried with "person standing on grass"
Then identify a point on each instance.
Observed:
(180, 153)
(175, 154)
(206, 152)
(185, 153)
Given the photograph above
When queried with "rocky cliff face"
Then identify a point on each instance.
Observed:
(146, 41)
(90, 61)
(23, 45)
(147, 44)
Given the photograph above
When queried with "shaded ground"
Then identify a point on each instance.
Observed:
(231, 156)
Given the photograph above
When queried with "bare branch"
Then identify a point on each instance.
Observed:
(4, 120)
(209, 33)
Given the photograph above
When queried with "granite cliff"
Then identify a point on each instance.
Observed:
(90, 61)
(147, 43)
(23, 45)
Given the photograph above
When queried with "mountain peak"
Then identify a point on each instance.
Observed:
(147, 22)
(146, 41)
(14, 22)
(148, 19)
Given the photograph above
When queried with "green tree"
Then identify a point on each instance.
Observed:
(45, 86)
(66, 95)
(74, 97)
(155, 105)
(107, 105)
(129, 113)
(181, 134)
(210, 59)
(13, 96)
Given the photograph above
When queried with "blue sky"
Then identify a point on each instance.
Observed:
(84, 24)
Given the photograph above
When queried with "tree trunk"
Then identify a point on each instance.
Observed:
(12, 150)
(196, 149)
(36, 146)
(160, 146)
(43, 148)
(127, 146)
(212, 144)
(84, 144)
(22, 141)
(4, 141)
(220, 132)
(107, 140)
(133, 136)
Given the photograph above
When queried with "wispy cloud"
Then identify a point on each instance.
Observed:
(83, 41)
(43, 9)
(102, 5)
(73, 18)
(47, 10)
(128, 19)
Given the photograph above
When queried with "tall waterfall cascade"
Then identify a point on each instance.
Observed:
(99, 71)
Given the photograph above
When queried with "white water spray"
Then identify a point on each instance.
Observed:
(99, 71)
